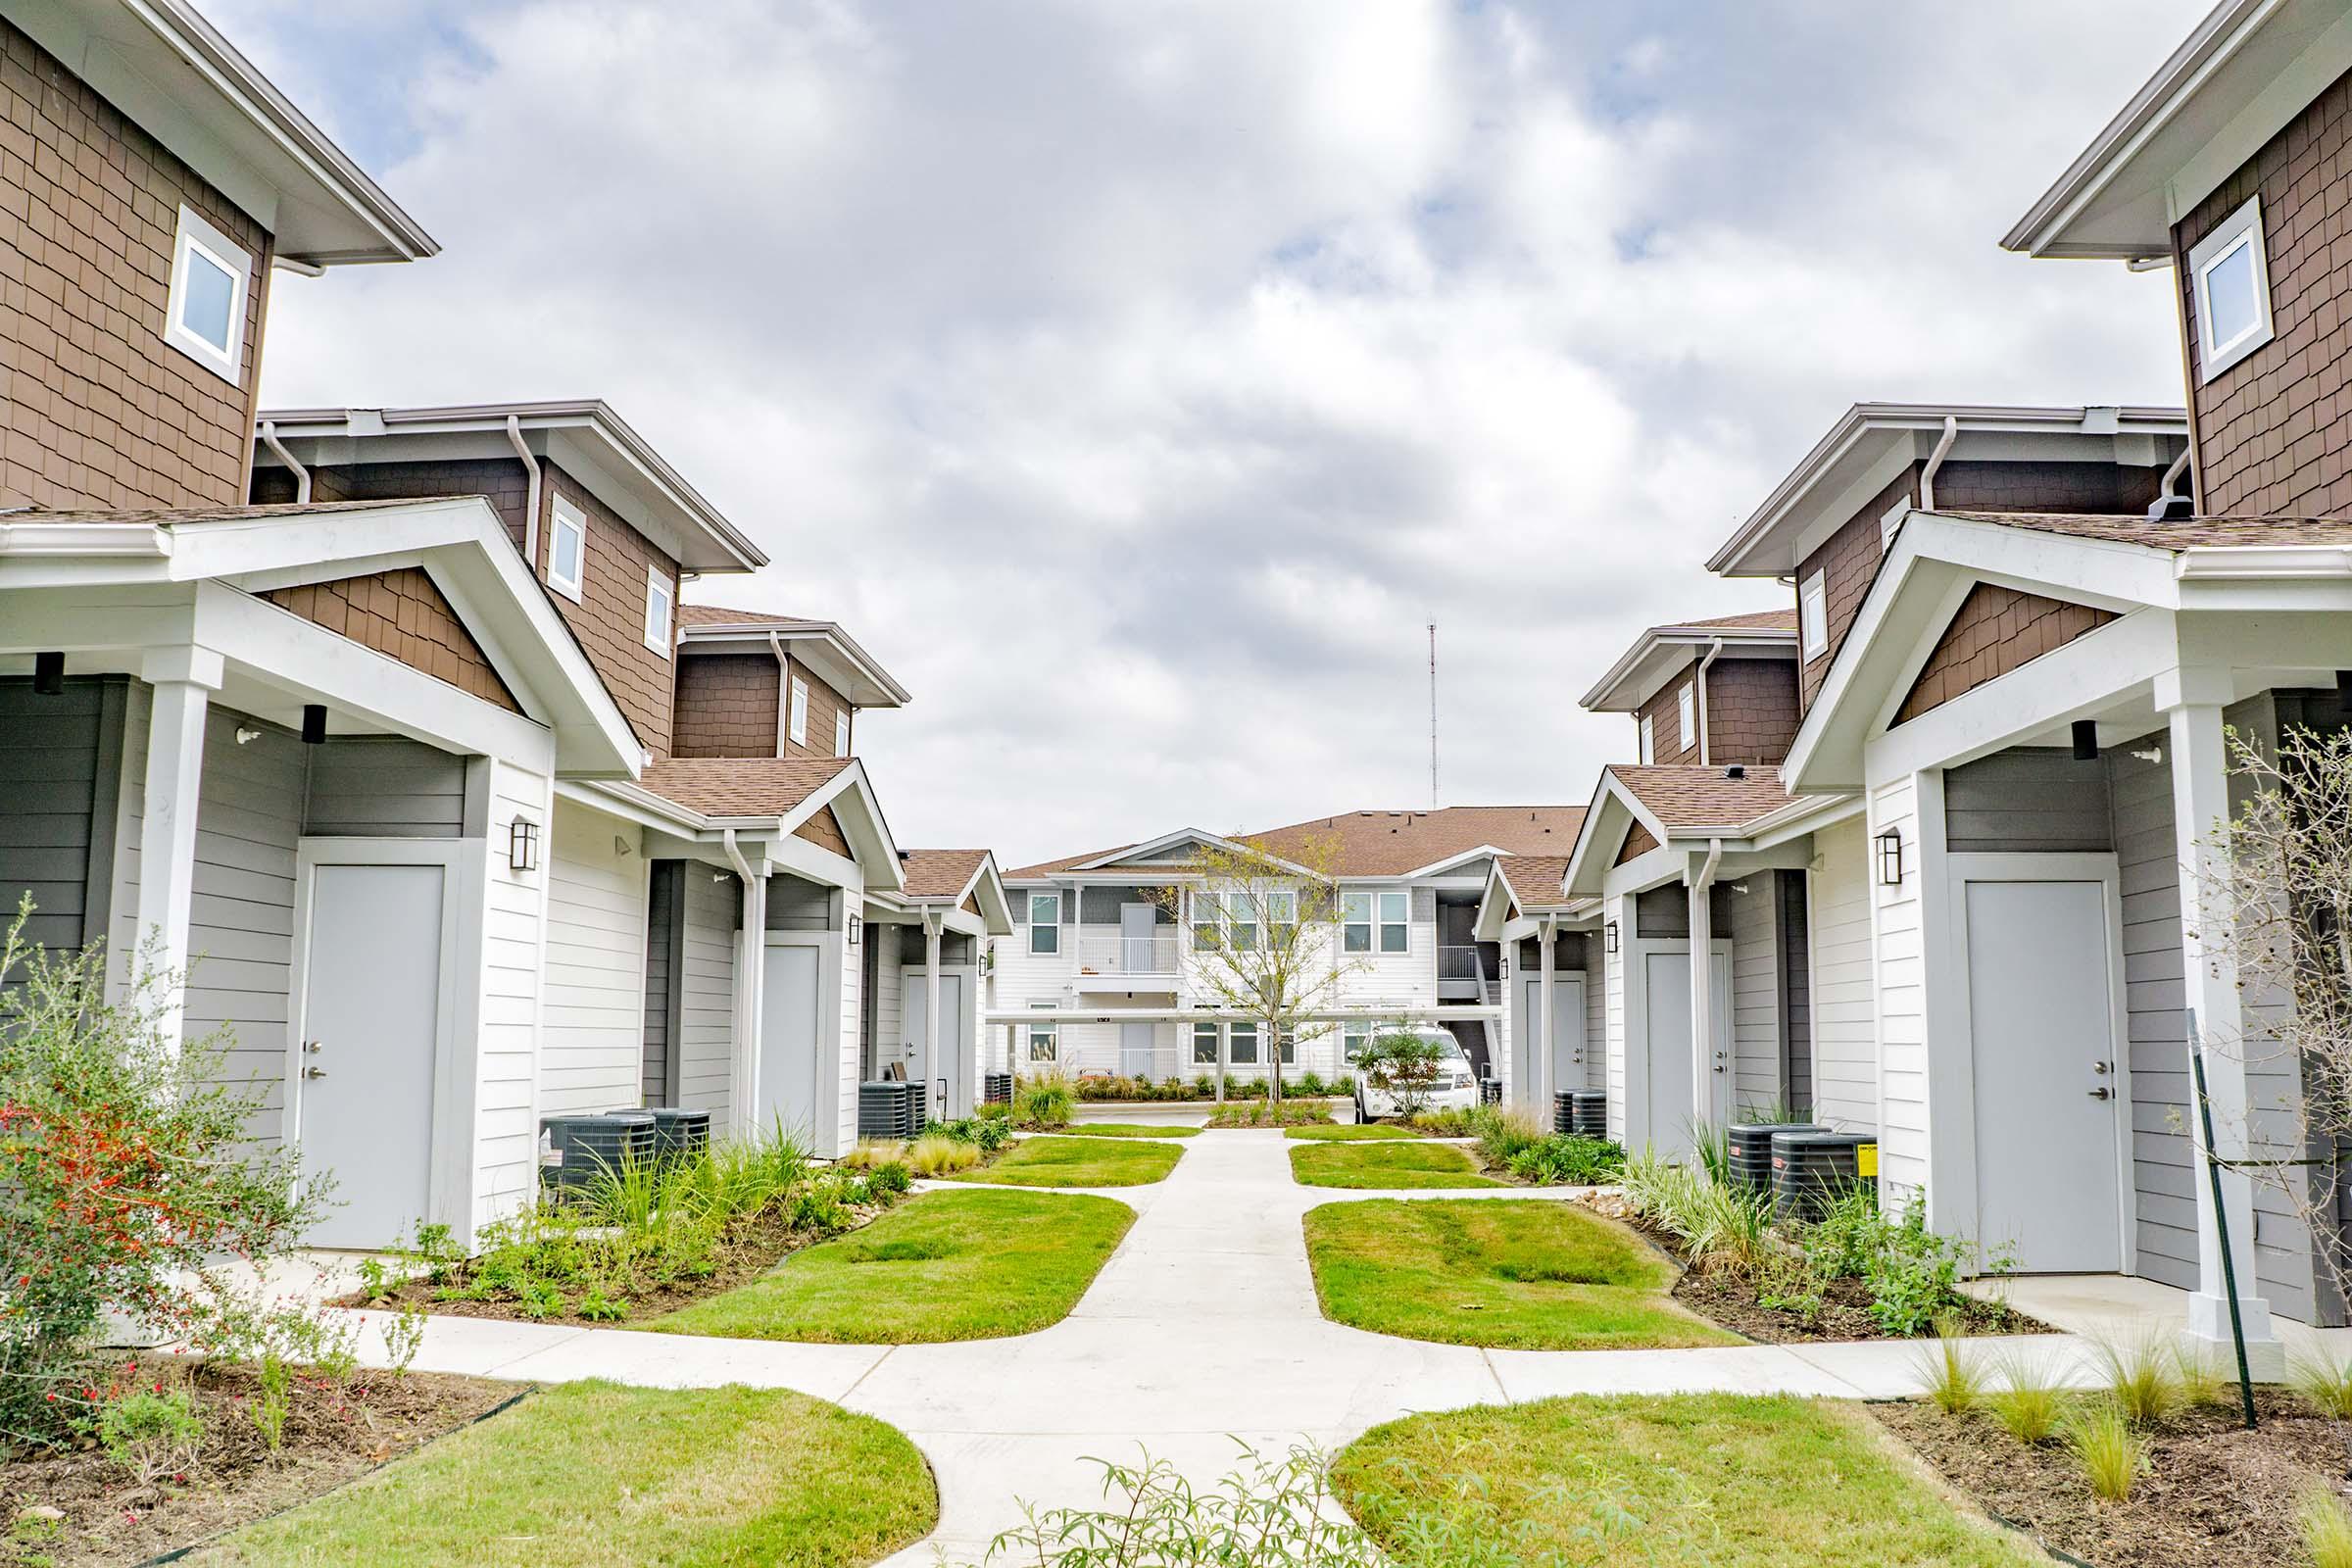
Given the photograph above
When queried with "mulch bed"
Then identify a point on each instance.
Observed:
(74, 1508)
(753, 1250)
(2217, 1495)
(1728, 1300)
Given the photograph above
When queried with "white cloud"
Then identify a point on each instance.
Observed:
(1136, 380)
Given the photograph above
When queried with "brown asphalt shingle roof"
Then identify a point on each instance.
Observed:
(1534, 879)
(1759, 619)
(939, 873)
(2186, 533)
(1391, 843)
(719, 615)
(1689, 796)
(741, 786)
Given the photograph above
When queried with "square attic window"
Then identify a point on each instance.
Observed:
(205, 316)
(2233, 279)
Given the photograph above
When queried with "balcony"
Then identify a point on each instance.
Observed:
(1107, 961)
(1463, 975)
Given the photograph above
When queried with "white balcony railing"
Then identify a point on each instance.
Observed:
(1110, 954)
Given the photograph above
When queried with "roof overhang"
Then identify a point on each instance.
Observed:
(1665, 652)
(985, 887)
(848, 794)
(179, 81)
(827, 650)
(457, 541)
(583, 437)
(2249, 68)
(1871, 446)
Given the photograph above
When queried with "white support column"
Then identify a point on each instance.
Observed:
(2192, 704)
(1546, 932)
(751, 977)
(184, 681)
(1703, 1066)
(941, 1111)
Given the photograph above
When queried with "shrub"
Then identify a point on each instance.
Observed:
(1270, 1513)
(1786, 1285)
(1720, 1226)
(152, 1432)
(1570, 1160)
(986, 1134)
(1449, 1124)
(1404, 1066)
(2113, 1455)
(126, 1181)
(2325, 1526)
(1043, 1100)
(2027, 1403)
(1504, 1134)
(1913, 1273)
(1269, 1113)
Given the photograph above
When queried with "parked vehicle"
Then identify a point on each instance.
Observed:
(1455, 1088)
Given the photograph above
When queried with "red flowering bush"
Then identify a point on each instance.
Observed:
(126, 1181)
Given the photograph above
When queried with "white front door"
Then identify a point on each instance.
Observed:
(947, 1075)
(2041, 1024)
(1567, 1029)
(1138, 923)
(1135, 1049)
(790, 1001)
(369, 1048)
(1666, 1047)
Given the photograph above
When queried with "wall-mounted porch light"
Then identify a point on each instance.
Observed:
(49, 674)
(1891, 857)
(313, 723)
(856, 927)
(523, 845)
(2087, 739)
(1608, 937)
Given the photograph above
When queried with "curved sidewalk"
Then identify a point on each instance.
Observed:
(1203, 1328)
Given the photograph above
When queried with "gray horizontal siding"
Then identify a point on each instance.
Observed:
(51, 812)
(371, 786)
(2030, 800)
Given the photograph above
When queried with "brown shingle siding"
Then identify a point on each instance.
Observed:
(610, 617)
(824, 831)
(1995, 630)
(824, 702)
(1849, 562)
(100, 409)
(1751, 710)
(726, 705)
(402, 614)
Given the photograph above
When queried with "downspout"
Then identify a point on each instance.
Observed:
(1705, 1061)
(1943, 445)
(530, 511)
(931, 924)
(783, 690)
(1714, 647)
(2165, 495)
(1546, 933)
(746, 983)
(302, 475)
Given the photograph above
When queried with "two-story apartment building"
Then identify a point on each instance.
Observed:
(1099, 972)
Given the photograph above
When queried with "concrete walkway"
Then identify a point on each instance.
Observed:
(1202, 1329)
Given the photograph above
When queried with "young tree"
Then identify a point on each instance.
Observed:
(1403, 1066)
(1265, 941)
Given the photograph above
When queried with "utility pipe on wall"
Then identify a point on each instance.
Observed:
(1704, 1065)
(530, 505)
(1714, 647)
(302, 475)
(939, 1109)
(783, 690)
(1546, 930)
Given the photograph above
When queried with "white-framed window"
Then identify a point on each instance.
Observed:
(1282, 916)
(1242, 1053)
(567, 549)
(661, 600)
(2233, 279)
(1395, 907)
(841, 732)
(1044, 922)
(1209, 912)
(1813, 614)
(800, 712)
(1045, 1038)
(1204, 1045)
(1685, 716)
(1354, 1039)
(203, 317)
(1355, 922)
(1241, 923)
(1650, 739)
(1288, 1051)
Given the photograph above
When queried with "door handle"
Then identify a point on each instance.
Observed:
(311, 1046)
(2101, 1092)
(314, 1072)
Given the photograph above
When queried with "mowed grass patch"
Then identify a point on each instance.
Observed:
(1385, 1165)
(591, 1475)
(1123, 1129)
(1350, 1132)
(1521, 1274)
(1057, 1162)
(1673, 1482)
(941, 1267)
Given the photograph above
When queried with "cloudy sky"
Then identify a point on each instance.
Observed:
(1137, 378)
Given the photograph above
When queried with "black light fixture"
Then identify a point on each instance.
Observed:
(313, 723)
(523, 845)
(1891, 857)
(2087, 739)
(1608, 937)
(857, 928)
(2343, 689)
(49, 674)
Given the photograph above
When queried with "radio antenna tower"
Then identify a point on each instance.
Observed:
(1433, 715)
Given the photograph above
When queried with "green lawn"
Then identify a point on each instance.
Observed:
(1048, 1162)
(940, 1266)
(1676, 1483)
(1385, 1165)
(1520, 1274)
(1353, 1132)
(590, 1474)
(1123, 1129)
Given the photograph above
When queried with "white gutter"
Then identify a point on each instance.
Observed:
(302, 475)
(1943, 446)
(85, 539)
(530, 506)
(1714, 647)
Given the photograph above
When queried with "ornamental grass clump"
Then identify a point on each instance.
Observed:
(128, 1182)
(2325, 1526)
(2113, 1455)
(2323, 1381)
(2028, 1402)
(1043, 1100)
(1955, 1382)
(2141, 1379)
(938, 1155)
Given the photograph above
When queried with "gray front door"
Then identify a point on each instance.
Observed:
(950, 1073)
(1666, 1011)
(370, 1037)
(1135, 1050)
(1137, 922)
(788, 1036)
(1568, 1069)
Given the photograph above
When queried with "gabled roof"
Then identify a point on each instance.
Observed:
(951, 876)
(2247, 71)
(821, 645)
(1662, 652)
(1372, 843)
(584, 436)
(1534, 879)
(179, 81)
(2178, 534)
(1687, 799)
(741, 786)
(1873, 443)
